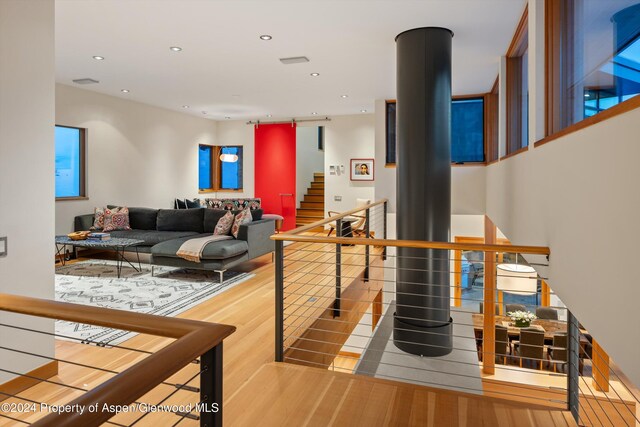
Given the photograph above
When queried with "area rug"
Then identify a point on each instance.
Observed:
(169, 292)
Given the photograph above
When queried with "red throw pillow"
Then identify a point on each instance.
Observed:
(243, 217)
(116, 219)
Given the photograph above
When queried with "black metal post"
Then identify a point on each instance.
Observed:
(384, 231)
(367, 234)
(211, 387)
(336, 303)
(573, 359)
(279, 301)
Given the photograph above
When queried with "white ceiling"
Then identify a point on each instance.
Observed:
(226, 70)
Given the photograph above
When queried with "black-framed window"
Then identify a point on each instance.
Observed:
(467, 131)
(70, 179)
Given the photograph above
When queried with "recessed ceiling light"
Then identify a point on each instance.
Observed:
(175, 48)
(363, 111)
(344, 96)
(204, 112)
(314, 113)
(99, 58)
(315, 74)
(185, 106)
(265, 37)
(268, 115)
(124, 90)
(227, 117)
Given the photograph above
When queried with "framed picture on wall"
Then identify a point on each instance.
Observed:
(361, 169)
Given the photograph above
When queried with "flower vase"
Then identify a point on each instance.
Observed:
(523, 323)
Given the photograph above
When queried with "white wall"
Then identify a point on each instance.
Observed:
(137, 155)
(348, 137)
(579, 196)
(309, 159)
(468, 185)
(27, 89)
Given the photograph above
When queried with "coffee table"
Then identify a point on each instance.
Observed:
(117, 244)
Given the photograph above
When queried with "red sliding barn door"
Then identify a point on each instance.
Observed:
(275, 170)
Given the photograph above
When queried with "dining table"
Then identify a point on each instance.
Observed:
(550, 327)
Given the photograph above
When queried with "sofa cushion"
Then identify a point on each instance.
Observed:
(180, 220)
(224, 225)
(192, 204)
(116, 219)
(143, 218)
(214, 250)
(211, 218)
(152, 237)
(242, 218)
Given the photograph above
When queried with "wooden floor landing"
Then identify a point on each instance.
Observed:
(281, 394)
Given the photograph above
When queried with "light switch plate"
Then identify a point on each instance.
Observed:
(337, 198)
(3, 246)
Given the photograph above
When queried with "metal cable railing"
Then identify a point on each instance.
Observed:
(351, 300)
(148, 385)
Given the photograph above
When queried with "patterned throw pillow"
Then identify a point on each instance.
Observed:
(98, 219)
(116, 219)
(224, 225)
(243, 217)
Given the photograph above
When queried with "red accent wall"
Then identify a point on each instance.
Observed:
(275, 170)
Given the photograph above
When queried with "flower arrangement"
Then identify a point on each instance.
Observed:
(522, 318)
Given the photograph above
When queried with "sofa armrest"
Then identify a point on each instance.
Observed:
(257, 235)
(83, 222)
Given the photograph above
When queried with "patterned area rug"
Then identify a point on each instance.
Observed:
(170, 292)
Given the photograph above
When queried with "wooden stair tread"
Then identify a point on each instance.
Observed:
(285, 394)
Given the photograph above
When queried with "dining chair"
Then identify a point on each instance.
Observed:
(557, 353)
(481, 308)
(530, 346)
(358, 226)
(547, 313)
(502, 348)
(509, 308)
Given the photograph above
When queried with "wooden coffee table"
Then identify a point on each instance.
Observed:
(116, 244)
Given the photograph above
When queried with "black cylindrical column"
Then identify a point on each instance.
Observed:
(422, 323)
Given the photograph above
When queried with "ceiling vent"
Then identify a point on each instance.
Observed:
(294, 60)
(85, 81)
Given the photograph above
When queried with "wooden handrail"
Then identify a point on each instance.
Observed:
(325, 221)
(534, 250)
(193, 338)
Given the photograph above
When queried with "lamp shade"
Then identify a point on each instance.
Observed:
(517, 279)
(228, 158)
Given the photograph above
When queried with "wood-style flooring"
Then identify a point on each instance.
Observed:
(259, 392)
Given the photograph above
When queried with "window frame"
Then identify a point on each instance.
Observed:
(488, 131)
(491, 111)
(557, 70)
(83, 164)
(216, 169)
(514, 91)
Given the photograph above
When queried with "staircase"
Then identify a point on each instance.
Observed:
(312, 206)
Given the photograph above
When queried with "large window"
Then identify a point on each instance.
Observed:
(216, 174)
(593, 58)
(517, 95)
(467, 131)
(70, 164)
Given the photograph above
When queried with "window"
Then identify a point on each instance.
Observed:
(70, 162)
(518, 89)
(467, 130)
(592, 58)
(391, 133)
(215, 174)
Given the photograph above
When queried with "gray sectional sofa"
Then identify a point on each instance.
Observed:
(164, 230)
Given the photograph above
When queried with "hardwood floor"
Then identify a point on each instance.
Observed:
(258, 392)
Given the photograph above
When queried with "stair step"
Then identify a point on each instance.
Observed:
(314, 198)
(318, 174)
(318, 179)
(310, 212)
(315, 191)
(312, 205)
(317, 185)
